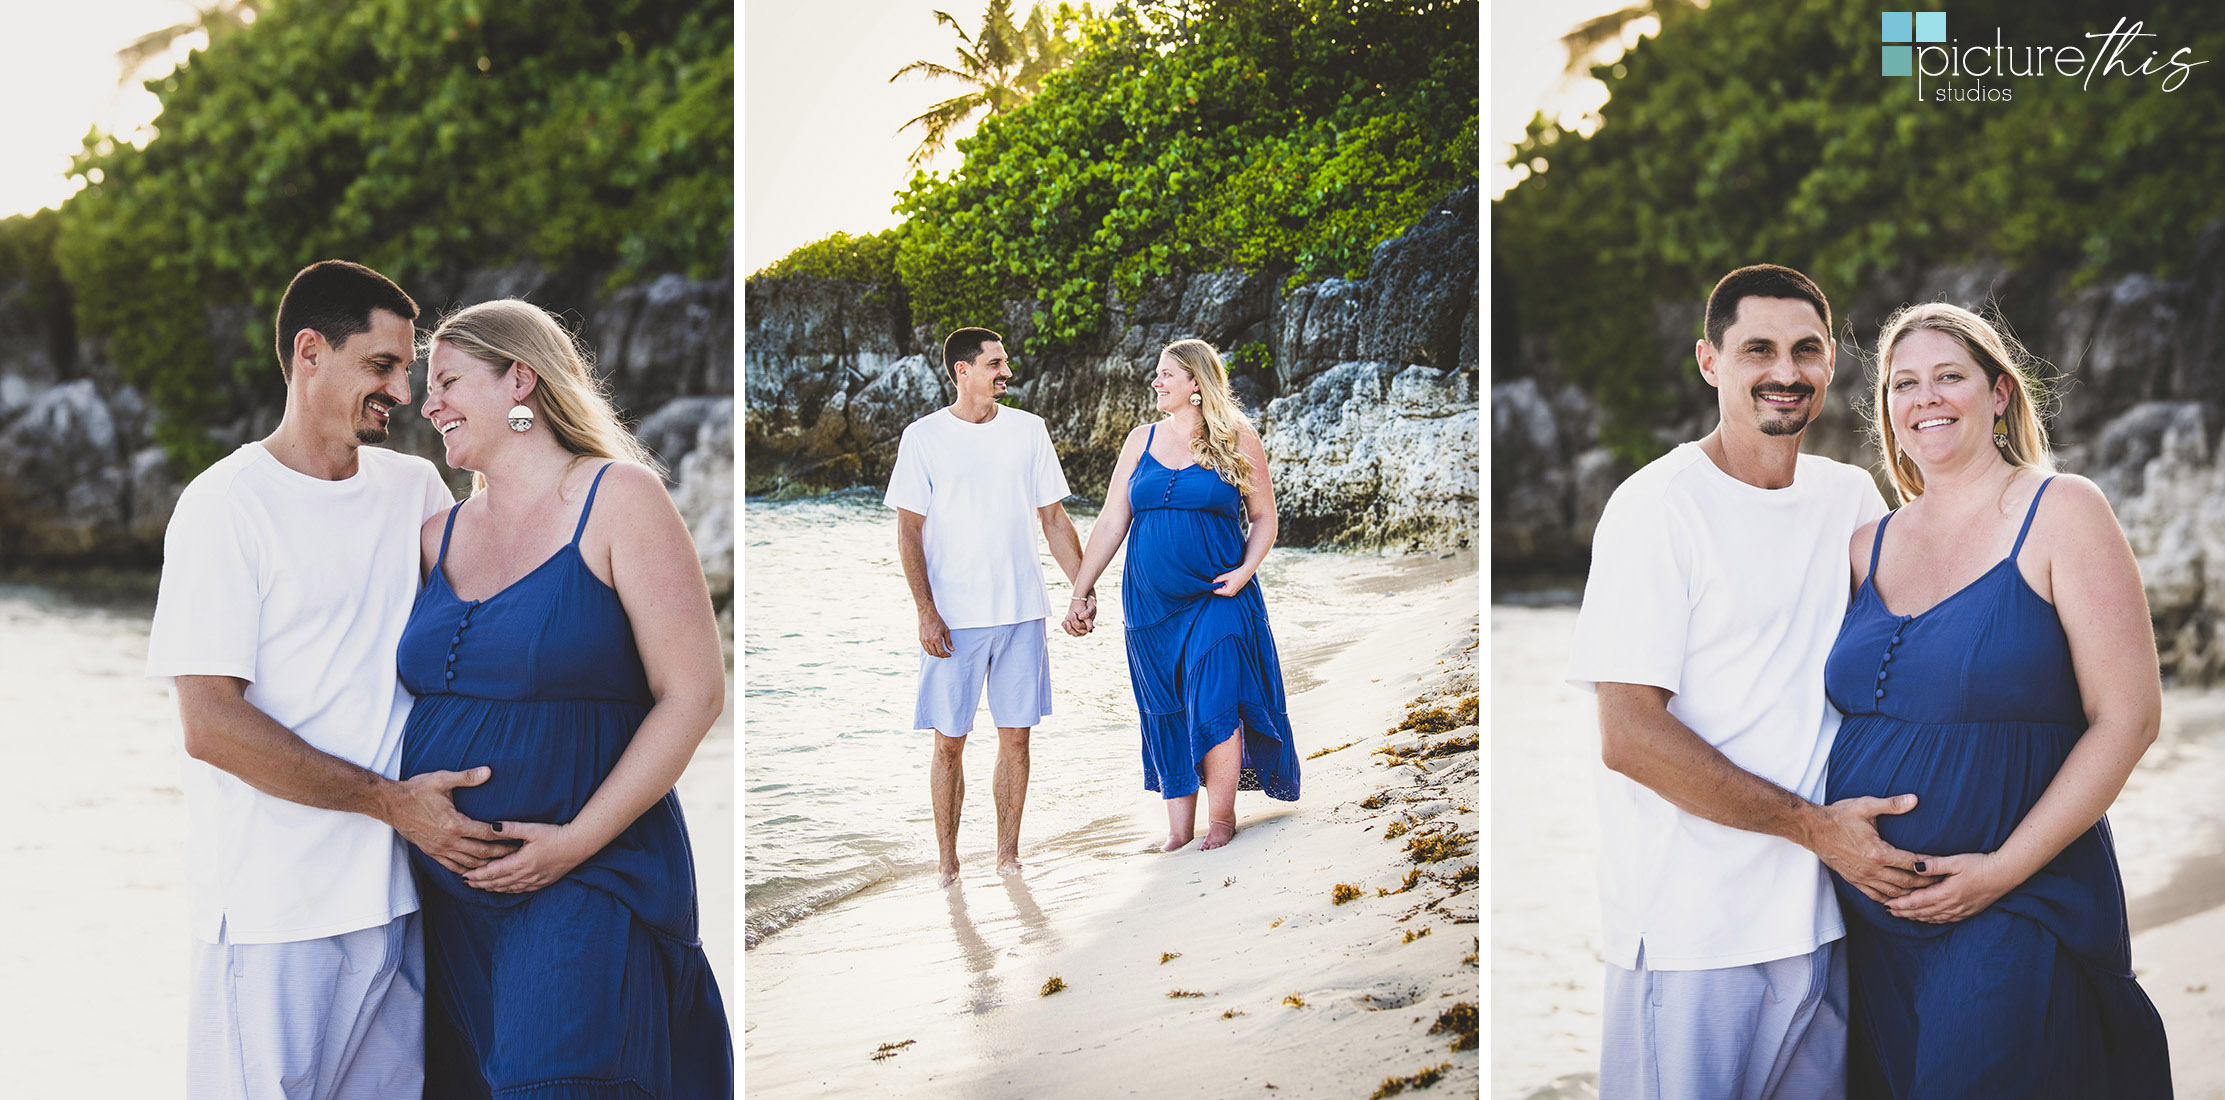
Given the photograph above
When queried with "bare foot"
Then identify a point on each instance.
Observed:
(948, 876)
(1217, 834)
(1176, 841)
(1009, 865)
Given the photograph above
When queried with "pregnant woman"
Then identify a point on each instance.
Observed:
(1201, 659)
(1996, 661)
(564, 638)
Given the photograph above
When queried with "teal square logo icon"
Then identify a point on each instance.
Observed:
(1899, 61)
(1931, 26)
(1899, 27)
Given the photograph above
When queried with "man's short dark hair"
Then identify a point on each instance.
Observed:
(965, 344)
(335, 298)
(1760, 281)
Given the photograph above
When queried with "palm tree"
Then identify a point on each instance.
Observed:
(218, 19)
(1005, 62)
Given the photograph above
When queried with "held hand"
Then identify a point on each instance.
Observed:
(548, 854)
(934, 637)
(1081, 615)
(1965, 886)
(424, 812)
(1231, 582)
(1847, 842)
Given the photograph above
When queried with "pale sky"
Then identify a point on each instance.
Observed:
(58, 78)
(820, 151)
(1525, 73)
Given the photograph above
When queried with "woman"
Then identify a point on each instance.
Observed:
(1997, 662)
(1200, 656)
(564, 638)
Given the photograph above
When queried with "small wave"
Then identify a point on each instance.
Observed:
(779, 902)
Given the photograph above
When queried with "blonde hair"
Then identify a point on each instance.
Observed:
(573, 404)
(1997, 353)
(1217, 447)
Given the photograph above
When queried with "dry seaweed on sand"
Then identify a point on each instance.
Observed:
(1054, 985)
(1459, 1021)
(1295, 1001)
(1166, 957)
(1318, 753)
(1436, 848)
(1392, 1086)
(1411, 935)
(1344, 892)
(1176, 994)
(890, 1050)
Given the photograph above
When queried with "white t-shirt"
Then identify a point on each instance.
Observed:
(979, 486)
(299, 586)
(1729, 596)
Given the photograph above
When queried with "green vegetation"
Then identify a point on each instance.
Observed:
(1004, 63)
(1747, 132)
(419, 136)
(1286, 135)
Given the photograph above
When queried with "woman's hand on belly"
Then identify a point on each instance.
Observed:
(548, 853)
(1968, 884)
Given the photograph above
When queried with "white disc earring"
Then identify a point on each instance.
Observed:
(1197, 398)
(521, 419)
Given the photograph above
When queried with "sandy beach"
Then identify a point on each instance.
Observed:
(1212, 974)
(93, 935)
(1546, 961)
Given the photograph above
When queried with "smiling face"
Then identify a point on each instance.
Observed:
(356, 386)
(1939, 403)
(1773, 369)
(469, 403)
(1171, 385)
(984, 378)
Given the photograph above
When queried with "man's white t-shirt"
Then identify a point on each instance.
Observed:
(299, 586)
(979, 485)
(1729, 596)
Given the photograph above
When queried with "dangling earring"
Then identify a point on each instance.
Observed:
(1197, 398)
(521, 419)
(2001, 432)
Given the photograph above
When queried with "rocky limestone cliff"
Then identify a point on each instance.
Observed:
(2137, 364)
(82, 483)
(1366, 402)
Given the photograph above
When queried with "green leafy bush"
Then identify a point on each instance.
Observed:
(418, 136)
(1748, 132)
(1253, 133)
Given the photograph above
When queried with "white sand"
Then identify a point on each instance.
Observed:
(93, 939)
(958, 973)
(1546, 958)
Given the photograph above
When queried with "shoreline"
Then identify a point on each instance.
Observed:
(1176, 968)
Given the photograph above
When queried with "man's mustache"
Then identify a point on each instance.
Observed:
(1799, 389)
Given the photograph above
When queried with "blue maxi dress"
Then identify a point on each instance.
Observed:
(1199, 662)
(1972, 706)
(594, 987)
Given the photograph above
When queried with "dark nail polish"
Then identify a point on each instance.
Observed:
(1919, 863)
(498, 828)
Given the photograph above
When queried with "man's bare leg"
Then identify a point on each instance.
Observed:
(946, 778)
(1222, 763)
(1012, 795)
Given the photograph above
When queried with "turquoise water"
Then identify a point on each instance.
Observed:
(834, 780)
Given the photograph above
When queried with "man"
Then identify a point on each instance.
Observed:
(1719, 575)
(972, 482)
(288, 570)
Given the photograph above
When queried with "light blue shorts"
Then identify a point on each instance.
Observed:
(1770, 1031)
(1014, 660)
(338, 1018)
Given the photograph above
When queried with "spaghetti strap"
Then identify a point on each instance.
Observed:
(2034, 510)
(1149, 436)
(1877, 542)
(589, 508)
(450, 529)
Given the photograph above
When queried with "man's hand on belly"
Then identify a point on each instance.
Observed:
(424, 812)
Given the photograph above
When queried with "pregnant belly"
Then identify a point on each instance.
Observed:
(546, 757)
(1973, 781)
